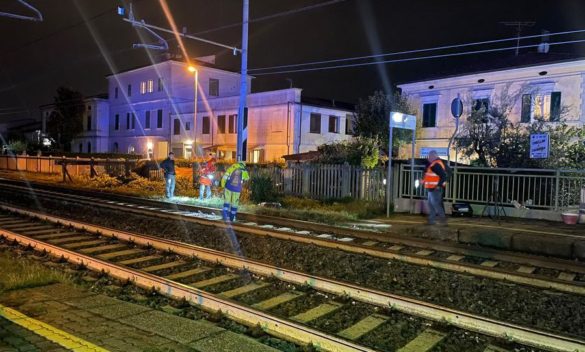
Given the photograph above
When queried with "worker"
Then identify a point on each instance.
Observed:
(434, 180)
(206, 176)
(168, 167)
(232, 182)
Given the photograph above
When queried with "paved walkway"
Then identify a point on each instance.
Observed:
(111, 324)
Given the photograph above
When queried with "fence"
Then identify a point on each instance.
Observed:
(74, 166)
(534, 188)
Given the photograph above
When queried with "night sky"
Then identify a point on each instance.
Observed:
(82, 41)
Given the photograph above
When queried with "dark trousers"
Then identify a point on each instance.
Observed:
(436, 205)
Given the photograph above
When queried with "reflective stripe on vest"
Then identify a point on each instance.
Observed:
(431, 179)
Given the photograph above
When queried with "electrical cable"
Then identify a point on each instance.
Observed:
(420, 50)
(415, 58)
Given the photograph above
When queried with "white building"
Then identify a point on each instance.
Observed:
(151, 112)
(537, 90)
(94, 138)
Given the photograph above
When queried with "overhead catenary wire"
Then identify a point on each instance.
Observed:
(444, 47)
(361, 64)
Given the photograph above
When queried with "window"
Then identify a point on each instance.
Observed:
(159, 118)
(348, 125)
(133, 121)
(429, 115)
(127, 120)
(233, 126)
(526, 108)
(117, 122)
(479, 104)
(143, 87)
(315, 123)
(187, 126)
(89, 147)
(129, 90)
(555, 106)
(333, 125)
(213, 87)
(205, 125)
(160, 85)
(176, 127)
(147, 120)
(116, 148)
(150, 86)
(89, 122)
(80, 147)
(221, 124)
(116, 92)
(89, 107)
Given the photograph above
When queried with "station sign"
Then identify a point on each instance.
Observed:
(539, 146)
(424, 152)
(400, 120)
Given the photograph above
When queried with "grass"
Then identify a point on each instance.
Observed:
(19, 272)
(323, 211)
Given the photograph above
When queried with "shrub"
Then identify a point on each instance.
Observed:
(262, 189)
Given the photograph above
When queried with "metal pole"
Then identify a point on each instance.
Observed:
(389, 175)
(194, 145)
(412, 174)
(242, 137)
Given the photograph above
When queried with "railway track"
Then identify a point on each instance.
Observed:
(285, 303)
(547, 273)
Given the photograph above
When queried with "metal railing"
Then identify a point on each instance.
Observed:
(533, 188)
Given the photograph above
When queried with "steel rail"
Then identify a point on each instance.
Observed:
(469, 268)
(493, 254)
(460, 319)
(275, 326)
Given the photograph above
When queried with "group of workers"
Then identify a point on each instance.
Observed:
(231, 182)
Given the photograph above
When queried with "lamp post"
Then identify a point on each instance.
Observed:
(194, 70)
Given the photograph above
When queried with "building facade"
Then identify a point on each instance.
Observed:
(151, 112)
(552, 91)
(94, 138)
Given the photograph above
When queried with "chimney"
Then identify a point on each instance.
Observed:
(544, 46)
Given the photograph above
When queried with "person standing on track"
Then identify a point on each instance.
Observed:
(206, 177)
(168, 167)
(434, 180)
(232, 182)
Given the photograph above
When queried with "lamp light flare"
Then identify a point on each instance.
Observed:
(169, 16)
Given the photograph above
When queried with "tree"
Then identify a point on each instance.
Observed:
(373, 114)
(491, 139)
(361, 151)
(66, 121)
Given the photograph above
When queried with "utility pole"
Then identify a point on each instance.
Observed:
(519, 26)
(242, 137)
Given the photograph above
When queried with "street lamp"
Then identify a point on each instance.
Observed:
(194, 70)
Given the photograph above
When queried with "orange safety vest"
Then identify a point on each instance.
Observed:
(431, 179)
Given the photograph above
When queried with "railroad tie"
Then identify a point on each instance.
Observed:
(244, 289)
(425, 252)
(363, 326)
(213, 281)
(455, 257)
(187, 273)
(24, 229)
(317, 312)
(163, 266)
(77, 245)
(489, 263)
(55, 235)
(370, 243)
(70, 239)
(139, 260)
(278, 300)
(567, 276)
(396, 248)
(41, 232)
(102, 248)
(492, 348)
(425, 341)
(112, 255)
(526, 269)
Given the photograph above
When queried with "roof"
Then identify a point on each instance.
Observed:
(328, 103)
(180, 61)
(500, 63)
(306, 156)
